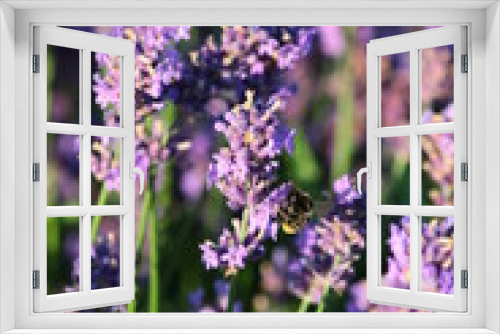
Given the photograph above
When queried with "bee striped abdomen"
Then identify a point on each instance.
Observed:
(295, 211)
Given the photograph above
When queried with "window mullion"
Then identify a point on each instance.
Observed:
(85, 258)
(85, 255)
(414, 171)
(81, 232)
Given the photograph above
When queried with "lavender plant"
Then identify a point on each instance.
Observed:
(328, 249)
(158, 64)
(240, 80)
(250, 61)
(245, 172)
(437, 263)
(218, 74)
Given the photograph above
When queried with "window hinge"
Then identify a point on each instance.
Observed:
(36, 172)
(465, 64)
(464, 171)
(36, 63)
(464, 279)
(36, 279)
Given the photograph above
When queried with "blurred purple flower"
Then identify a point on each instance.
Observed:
(332, 40)
(197, 301)
(193, 179)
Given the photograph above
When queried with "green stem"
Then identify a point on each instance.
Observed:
(142, 225)
(231, 294)
(154, 287)
(326, 289)
(131, 307)
(232, 284)
(244, 225)
(326, 285)
(96, 220)
(304, 304)
(343, 145)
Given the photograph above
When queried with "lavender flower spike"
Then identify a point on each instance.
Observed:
(245, 172)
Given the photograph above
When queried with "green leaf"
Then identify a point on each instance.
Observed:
(305, 167)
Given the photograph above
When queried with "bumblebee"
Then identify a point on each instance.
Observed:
(295, 210)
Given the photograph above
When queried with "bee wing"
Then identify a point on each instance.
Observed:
(322, 208)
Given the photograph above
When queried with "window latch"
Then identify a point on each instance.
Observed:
(136, 170)
(368, 171)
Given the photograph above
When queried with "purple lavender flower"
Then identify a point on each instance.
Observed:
(198, 303)
(329, 248)
(246, 58)
(437, 263)
(105, 161)
(438, 159)
(235, 256)
(244, 172)
(437, 255)
(157, 65)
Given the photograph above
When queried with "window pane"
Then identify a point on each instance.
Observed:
(437, 169)
(63, 84)
(105, 167)
(63, 251)
(395, 252)
(105, 89)
(63, 169)
(437, 255)
(395, 171)
(437, 84)
(395, 89)
(105, 252)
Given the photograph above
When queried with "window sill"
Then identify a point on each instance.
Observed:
(251, 331)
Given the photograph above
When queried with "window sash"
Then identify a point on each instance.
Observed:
(412, 43)
(86, 298)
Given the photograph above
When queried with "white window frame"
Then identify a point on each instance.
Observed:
(413, 43)
(85, 43)
(483, 21)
